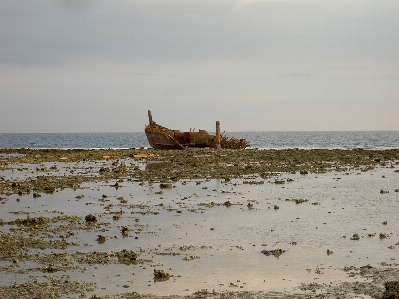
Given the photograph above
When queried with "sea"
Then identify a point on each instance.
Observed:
(370, 140)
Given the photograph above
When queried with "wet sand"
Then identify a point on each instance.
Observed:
(198, 223)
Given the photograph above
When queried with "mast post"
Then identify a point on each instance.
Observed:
(217, 134)
(150, 117)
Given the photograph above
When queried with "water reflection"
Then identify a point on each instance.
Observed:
(317, 215)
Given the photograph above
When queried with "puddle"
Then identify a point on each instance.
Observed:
(190, 231)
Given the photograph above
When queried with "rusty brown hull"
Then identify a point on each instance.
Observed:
(161, 137)
(169, 139)
(161, 141)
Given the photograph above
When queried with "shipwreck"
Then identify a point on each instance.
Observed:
(160, 137)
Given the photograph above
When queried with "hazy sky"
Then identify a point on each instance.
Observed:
(265, 65)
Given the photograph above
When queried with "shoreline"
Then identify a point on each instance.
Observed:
(170, 166)
(151, 192)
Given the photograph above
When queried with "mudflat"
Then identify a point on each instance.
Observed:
(199, 223)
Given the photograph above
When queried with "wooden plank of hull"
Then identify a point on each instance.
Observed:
(161, 141)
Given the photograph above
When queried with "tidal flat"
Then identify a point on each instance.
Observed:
(198, 223)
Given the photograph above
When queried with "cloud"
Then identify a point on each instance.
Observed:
(233, 55)
(241, 3)
(79, 5)
(297, 75)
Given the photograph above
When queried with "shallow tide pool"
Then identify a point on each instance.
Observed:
(209, 234)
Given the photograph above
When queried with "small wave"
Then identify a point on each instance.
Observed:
(383, 140)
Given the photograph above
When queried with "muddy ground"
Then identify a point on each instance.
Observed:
(45, 242)
(172, 166)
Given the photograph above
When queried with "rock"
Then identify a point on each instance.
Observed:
(299, 201)
(190, 257)
(329, 251)
(227, 203)
(104, 169)
(161, 274)
(391, 290)
(121, 199)
(165, 186)
(355, 237)
(382, 191)
(276, 252)
(101, 239)
(50, 268)
(91, 218)
(35, 221)
(127, 256)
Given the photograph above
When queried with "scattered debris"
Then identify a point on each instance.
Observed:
(275, 252)
(161, 275)
(391, 290)
(91, 218)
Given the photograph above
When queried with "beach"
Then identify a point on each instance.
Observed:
(198, 223)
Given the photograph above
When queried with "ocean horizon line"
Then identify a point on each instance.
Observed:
(246, 131)
(257, 139)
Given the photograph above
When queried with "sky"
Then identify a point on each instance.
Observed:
(254, 65)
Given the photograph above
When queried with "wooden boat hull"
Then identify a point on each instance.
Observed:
(160, 140)
(179, 140)
(161, 137)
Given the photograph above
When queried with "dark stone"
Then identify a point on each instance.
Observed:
(276, 252)
(91, 218)
(391, 290)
